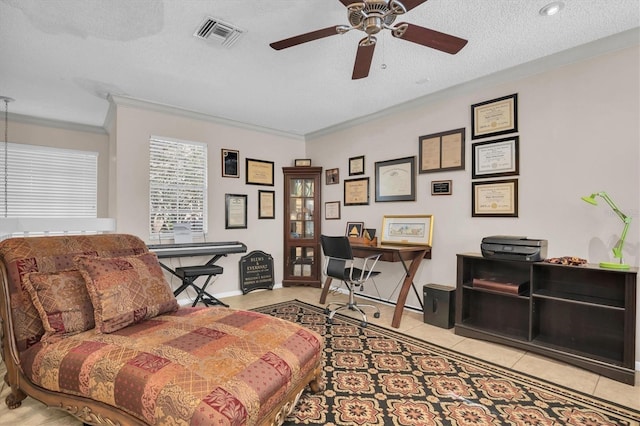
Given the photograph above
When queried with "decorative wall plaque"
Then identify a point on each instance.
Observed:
(256, 271)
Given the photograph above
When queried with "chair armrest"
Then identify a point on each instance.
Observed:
(366, 269)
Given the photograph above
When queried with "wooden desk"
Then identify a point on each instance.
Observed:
(391, 253)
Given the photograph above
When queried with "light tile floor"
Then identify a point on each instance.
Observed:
(34, 413)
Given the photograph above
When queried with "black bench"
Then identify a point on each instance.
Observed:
(189, 274)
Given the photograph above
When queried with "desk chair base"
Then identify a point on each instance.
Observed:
(353, 306)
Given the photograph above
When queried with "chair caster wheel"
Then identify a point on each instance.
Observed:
(363, 324)
(376, 315)
(327, 311)
(329, 321)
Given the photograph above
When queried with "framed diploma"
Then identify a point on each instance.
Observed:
(230, 163)
(413, 230)
(332, 210)
(498, 198)
(441, 151)
(235, 211)
(356, 165)
(396, 180)
(495, 158)
(356, 192)
(495, 117)
(259, 172)
(266, 204)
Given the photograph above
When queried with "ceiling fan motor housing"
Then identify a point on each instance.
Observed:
(370, 16)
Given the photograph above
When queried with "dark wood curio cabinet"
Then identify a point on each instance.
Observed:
(302, 221)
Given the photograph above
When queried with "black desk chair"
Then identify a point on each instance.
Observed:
(340, 265)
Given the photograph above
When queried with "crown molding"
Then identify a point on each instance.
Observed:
(119, 100)
(46, 122)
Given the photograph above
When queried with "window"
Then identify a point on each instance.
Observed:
(177, 187)
(38, 181)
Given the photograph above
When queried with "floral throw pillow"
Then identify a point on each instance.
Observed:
(125, 290)
(62, 302)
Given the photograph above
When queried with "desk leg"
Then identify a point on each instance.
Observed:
(325, 291)
(406, 285)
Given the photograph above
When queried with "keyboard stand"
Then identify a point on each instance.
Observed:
(189, 274)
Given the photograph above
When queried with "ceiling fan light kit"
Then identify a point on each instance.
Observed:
(371, 17)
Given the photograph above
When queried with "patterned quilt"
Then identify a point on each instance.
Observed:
(195, 366)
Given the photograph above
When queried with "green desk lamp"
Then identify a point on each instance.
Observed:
(617, 250)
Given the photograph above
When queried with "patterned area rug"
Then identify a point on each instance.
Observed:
(376, 376)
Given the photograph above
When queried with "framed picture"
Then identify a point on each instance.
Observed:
(496, 158)
(332, 210)
(235, 211)
(259, 172)
(356, 165)
(441, 151)
(495, 117)
(302, 162)
(354, 229)
(498, 198)
(356, 192)
(414, 230)
(396, 180)
(332, 176)
(266, 204)
(441, 187)
(230, 159)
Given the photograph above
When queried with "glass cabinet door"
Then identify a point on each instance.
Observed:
(301, 208)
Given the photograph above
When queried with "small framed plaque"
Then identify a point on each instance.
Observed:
(441, 187)
(302, 162)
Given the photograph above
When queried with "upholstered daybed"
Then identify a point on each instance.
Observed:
(90, 326)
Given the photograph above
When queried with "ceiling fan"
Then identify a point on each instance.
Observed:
(371, 17)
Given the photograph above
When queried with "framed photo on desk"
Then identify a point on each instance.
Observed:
(413, 230)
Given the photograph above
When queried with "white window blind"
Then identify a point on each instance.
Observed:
(177, 187)
(37, 181)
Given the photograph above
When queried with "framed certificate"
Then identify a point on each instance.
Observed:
(498, 198)
(442, 151)
(332, 210)
(356, 165)
(396, 180)
(266, 205)
(259, 172)
(356, 192)
(495, 117)
(235, 211)
(495, 158)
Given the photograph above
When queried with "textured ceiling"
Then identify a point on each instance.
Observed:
(60, 59)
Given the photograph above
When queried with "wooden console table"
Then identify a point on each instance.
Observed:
(392, 253)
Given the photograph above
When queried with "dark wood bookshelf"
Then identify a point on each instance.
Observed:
(581, 315)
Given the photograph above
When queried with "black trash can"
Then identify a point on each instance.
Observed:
(439, 305)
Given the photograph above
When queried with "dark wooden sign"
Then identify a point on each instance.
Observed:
(256, 271)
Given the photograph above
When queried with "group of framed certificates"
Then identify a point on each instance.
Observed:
(495, 158)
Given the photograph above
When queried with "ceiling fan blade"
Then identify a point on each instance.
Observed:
(348, 2)
(410, 4)
(303, 38)
(364, 56)
(430, 38)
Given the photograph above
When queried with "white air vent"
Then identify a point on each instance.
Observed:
(215, 29)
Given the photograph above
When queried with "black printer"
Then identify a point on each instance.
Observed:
(514, 248)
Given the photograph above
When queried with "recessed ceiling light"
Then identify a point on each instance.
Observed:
(551, 8)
